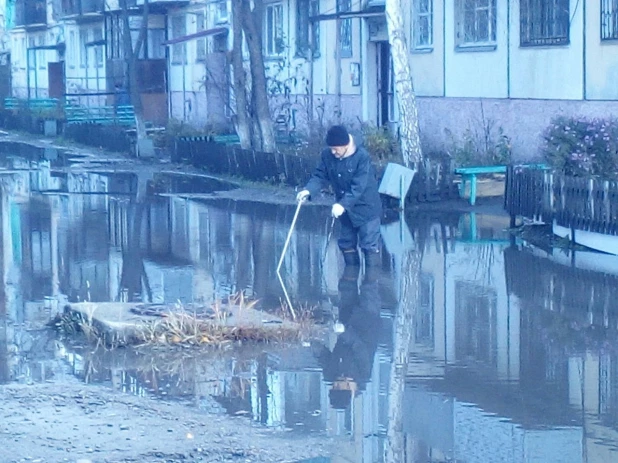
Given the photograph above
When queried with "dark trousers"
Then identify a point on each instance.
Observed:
(367, 236)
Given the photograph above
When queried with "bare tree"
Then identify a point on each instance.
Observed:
(409, 132)
(243, 116)
(131, 53)
(254, 102)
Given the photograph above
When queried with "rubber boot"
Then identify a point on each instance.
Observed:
(373, 263)
(351, 257)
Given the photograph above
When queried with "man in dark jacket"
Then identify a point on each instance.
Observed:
(349, 170)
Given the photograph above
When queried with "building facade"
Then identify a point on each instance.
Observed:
(478, 65)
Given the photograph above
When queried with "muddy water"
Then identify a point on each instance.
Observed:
(512, 350)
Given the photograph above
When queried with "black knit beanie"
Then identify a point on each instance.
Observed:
(337, 135)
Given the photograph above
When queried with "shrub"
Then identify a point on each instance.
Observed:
(487, 147)
(380, 143)
(580, 146)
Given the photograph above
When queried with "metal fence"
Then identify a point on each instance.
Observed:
(218, 158)
(583, 203)
(434, 183)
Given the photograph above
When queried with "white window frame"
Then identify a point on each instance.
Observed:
(84, 38)
(200, 44)
(41, 59)
(222, 12)
(97, 34)
(72, 50)
(273, 35)
(423, 14)
(346, 33)
(179, 50)
(475, 10)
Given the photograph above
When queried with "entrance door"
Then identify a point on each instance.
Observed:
(386, 109)
(56, 80)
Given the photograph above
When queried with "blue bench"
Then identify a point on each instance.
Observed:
(105, 115)
(33, 103)
(469, 174)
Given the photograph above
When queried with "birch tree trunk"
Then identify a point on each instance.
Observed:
(243, 118)
(394, 449)
(409, 132)
(252, 25)
(131, 54)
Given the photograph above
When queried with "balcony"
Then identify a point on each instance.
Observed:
(82, 7)
(30, 12)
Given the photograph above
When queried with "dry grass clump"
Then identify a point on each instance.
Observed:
(224, 322)
(185, 328)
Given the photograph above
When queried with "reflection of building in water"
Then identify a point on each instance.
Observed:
(501, 364)
(105, 237)
(571, 317)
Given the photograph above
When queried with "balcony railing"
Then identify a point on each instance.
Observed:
(29, 12)
(81, 7)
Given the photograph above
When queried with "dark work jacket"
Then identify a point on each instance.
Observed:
(354, 180)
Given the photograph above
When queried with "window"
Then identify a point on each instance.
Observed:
(345, 32)
(72, 50)
(422, 31)
(31, 54)
(114, 37)
(83, 48)
(609, 19)
(156, 49)
(221, 13)
(200, 44)
(544, 22)
(273, 29)
(41, 58)
(315, 28)
(302, 27)
(476, 22)
(307, 32)
(97, 37)
(179, 50)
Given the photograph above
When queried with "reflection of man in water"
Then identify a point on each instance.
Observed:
(348, 367)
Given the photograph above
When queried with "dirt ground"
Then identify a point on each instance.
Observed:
(74, 422)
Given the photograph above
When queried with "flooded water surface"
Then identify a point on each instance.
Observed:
(508, 354)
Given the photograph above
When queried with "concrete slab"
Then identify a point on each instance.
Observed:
(118, 324)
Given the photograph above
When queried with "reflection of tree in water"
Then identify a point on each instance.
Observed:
(134, 280)
(395, 448)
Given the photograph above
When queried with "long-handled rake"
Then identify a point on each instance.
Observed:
(285, 248)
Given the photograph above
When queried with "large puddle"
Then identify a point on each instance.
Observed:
(512, 350)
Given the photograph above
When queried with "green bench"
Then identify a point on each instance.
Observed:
(469, 174)
(105, 115)
(33, 103)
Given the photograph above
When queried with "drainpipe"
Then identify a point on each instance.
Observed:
(338, 69)
(584, 92)
(311, 52)
(36, 79)
(184, 86)
(444, 48)
(508, 50)
(28, 71)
